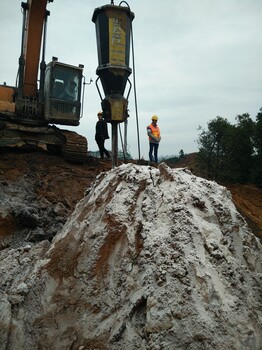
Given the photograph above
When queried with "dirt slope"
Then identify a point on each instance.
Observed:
(248, 200)
(62, 182)
(56, 179)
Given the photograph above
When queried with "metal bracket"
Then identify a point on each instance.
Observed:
(98, 88)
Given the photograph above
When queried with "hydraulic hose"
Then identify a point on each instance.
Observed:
(134, 82)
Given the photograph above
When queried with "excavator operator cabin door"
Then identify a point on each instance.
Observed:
(63, 93)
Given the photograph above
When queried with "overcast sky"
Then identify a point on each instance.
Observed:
(194, 60)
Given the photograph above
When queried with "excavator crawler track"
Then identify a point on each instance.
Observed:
(75, 148)
(68, 144)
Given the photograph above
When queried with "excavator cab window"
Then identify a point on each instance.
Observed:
(58, 88)
(63, 88)
(65, 85)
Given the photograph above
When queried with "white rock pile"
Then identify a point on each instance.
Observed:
(151, 259)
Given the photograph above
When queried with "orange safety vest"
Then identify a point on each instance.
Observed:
(154, 130)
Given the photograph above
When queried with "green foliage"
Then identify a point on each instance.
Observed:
(258, 133)
(231, 153)
(211, 147)
(181, 154)
(256, 173)
(123, 156)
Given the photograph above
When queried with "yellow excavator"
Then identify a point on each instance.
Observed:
(30, 110)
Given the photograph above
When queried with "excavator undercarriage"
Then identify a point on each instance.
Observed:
(68, 144)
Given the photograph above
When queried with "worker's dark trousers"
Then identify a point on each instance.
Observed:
(153, 148)
(101, 145)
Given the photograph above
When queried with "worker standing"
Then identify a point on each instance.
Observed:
(154, 137)
(101, 135)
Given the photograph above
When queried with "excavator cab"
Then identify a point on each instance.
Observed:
(62, 93)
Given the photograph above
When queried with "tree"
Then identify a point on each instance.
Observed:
(211, 150)
(226, 152)
(181, 154)
(256, 174)
(238, 151)
(258, 133)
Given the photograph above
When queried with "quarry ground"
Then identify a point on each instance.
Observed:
(59, 181)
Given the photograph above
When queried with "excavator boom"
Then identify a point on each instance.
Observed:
(36, 14)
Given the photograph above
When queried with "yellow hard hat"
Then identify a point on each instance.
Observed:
(155, 117)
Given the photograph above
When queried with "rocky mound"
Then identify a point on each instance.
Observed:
(150, 259)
